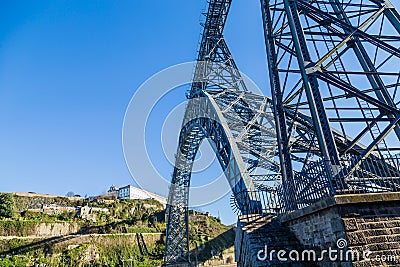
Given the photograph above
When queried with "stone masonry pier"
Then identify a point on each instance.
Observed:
(367, 225)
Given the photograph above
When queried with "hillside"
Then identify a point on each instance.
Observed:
(58, 231)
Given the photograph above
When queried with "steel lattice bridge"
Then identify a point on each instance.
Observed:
(331, 125)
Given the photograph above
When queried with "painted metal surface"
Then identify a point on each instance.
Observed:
(331, 125)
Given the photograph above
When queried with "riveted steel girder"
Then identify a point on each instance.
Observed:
(330, 127)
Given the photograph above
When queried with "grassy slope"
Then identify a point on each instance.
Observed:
(208, 236)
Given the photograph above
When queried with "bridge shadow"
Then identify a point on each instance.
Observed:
(213, 248)
(47, 244)
(200, 254)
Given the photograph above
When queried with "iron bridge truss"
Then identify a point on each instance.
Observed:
(331, 125)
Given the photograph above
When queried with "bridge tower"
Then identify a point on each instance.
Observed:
(331, 125)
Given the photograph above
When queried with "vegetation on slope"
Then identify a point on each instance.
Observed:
(132, 231)
(7, 205)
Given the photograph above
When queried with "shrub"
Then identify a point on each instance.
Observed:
(7, 205)
(229, 260)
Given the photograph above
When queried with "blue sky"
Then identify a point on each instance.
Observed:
(68, 70)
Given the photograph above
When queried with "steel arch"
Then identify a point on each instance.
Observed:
(204, 119)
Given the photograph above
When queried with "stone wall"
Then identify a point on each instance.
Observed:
(30, 228)
(368, 224)
(321, 229)
(264, 234)
(55, 229)
(374, 227)
(27, 201)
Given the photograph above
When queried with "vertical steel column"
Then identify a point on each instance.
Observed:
(282, 135)
(310, 82)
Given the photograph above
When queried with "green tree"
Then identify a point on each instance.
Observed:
(229, 260)
(7, 205)
(70, 194)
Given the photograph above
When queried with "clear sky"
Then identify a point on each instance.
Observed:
(68, 70)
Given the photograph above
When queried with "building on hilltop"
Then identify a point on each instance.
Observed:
(113, 192)
(131, 192)
(52, 209)
(56, 209)
(90, 213)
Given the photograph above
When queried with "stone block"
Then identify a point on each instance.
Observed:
(372, 247)
(376, 239)
(369, 219)
(350, 224)
(375, 225)
(362, 264)
(393, 246)
(359, 220)
(395, 231)
(392, 224)
(357, 248)
(356, 238)
(383, 246)
(376, 232)
(393, 197)
(393, 238)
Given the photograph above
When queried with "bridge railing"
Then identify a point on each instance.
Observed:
(268, 201)
(370, 175)
(356, 176)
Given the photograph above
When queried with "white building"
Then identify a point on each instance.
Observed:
(131, 192)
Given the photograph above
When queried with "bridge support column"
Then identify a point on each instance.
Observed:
(359, 230)
(368, 225)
